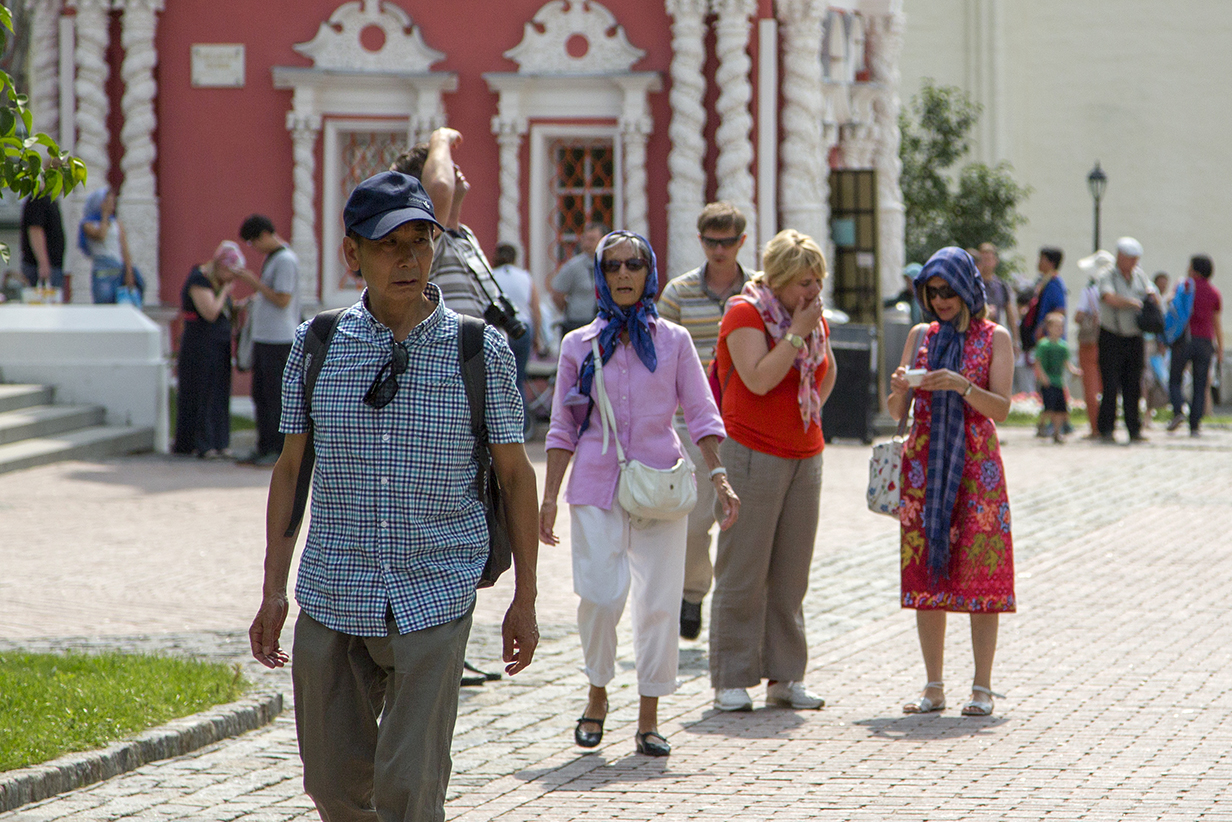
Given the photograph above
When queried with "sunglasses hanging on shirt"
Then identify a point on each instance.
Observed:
(385, 387)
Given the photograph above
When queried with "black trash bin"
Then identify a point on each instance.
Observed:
(848, 413)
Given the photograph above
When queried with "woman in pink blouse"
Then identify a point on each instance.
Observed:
(649, 368)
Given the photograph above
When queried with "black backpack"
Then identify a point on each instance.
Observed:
(474, 377)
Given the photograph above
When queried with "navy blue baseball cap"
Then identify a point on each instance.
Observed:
(385, 201)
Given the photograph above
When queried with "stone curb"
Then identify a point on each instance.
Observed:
(178, 737)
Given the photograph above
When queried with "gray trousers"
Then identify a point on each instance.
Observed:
(375, 718)
(762, 568)
(698, 569)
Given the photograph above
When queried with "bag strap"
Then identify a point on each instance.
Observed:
(607, 415)
(474, 377)
(316, 344)
(902, 421)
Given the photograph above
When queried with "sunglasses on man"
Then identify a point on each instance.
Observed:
(725, 242)
(385, 387)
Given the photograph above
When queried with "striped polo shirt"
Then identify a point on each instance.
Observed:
(688, 301)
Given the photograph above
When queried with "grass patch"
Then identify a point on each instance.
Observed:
(53, 704)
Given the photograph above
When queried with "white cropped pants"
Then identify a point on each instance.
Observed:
(610, 558)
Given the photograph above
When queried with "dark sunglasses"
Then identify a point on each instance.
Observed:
(385, 387)
(726, 242)
(940, 292)
(635, 265)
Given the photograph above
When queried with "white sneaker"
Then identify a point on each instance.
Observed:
(793, 695)
(732, 699)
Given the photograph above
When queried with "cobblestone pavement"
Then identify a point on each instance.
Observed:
(1117, 667)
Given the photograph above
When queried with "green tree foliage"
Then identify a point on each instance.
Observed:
(31, 164)
(977, 204)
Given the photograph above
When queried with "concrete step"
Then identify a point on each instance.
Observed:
(15, 396)
(47, 420)
(90, 443)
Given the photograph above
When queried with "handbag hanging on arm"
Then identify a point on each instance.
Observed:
(885, 470)
(648, 494)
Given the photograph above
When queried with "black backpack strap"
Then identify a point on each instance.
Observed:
(474, 377)
(316, 344)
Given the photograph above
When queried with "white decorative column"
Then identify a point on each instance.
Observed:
(804, 189)
(304, 128)
(633, 134)
(92, 29)
(45, 66)
(509, 133)
(735, 132)
(686, 186)
(138, 201)
(886, 32)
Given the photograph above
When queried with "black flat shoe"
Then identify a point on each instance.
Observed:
(588, 739)
(652, 743)
(690, 619)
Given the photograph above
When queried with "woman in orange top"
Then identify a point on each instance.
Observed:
(775, 363)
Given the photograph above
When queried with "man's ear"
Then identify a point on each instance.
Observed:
(350, 252)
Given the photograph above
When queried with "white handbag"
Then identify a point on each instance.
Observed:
(647, 494)
(885, 471)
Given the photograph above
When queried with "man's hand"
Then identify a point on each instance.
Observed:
(267, 628)
(520, 632)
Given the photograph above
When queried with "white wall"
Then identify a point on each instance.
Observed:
(1141, 86)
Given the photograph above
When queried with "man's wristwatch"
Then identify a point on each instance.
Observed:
(795, 339)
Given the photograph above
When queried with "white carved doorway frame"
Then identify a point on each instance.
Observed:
(335, 129)
(542, 137)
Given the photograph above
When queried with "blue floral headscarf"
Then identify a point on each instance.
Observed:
(635, 319)
(91, 212)
(947, 446)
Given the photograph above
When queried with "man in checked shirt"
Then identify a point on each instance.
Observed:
(397, 540)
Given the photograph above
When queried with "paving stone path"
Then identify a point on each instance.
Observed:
(1117, 667)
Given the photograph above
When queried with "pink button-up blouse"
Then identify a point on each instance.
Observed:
(644, 402)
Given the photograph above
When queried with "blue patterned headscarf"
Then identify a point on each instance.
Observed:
(91, 212)
(947, 444)
(635, 319)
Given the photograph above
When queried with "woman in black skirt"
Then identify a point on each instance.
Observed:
(203, 421)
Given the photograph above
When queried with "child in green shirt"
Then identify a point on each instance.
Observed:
(1051, 363)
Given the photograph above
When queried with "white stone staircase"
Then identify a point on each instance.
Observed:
(34, 431)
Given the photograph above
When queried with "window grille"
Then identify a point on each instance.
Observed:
(583, 190)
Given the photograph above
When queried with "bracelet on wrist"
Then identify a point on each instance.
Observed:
(716, 471)
(970, 385)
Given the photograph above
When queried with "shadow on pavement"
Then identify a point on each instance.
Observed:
(919, 727)
(762, 723)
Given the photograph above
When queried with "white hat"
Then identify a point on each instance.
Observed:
(1096, 263)
(1129, 247)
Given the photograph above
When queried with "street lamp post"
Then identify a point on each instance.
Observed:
(1097, 181)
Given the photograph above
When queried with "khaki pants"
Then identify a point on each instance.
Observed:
(361, 769)
(762, 568)
(698, 569)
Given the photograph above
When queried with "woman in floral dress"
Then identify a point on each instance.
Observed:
(957, 551)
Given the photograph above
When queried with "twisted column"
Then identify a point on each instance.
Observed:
(804, 188)
(90, 59)
(633, 134)
(304, 129)
(686, 186)
(138, 202)
(735, 132)
(45, 66)
(887, 46)
(509, 137)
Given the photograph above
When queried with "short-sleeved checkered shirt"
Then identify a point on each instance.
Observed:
(396, 520)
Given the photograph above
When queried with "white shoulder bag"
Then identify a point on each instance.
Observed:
(648, 494)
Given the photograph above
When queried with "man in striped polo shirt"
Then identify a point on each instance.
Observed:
(696, 300)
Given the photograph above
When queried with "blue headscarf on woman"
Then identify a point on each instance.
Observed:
(947, 444)
(635, 319)
(92, 212)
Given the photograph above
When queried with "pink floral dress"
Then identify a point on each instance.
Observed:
(981, 548)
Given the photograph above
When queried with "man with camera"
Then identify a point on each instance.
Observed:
(459, 269)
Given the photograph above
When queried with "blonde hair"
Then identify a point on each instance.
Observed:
(789, 255)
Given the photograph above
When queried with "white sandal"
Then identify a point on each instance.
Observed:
(924, 705)
(981, 707)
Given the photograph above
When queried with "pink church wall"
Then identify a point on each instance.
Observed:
(225, 153)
